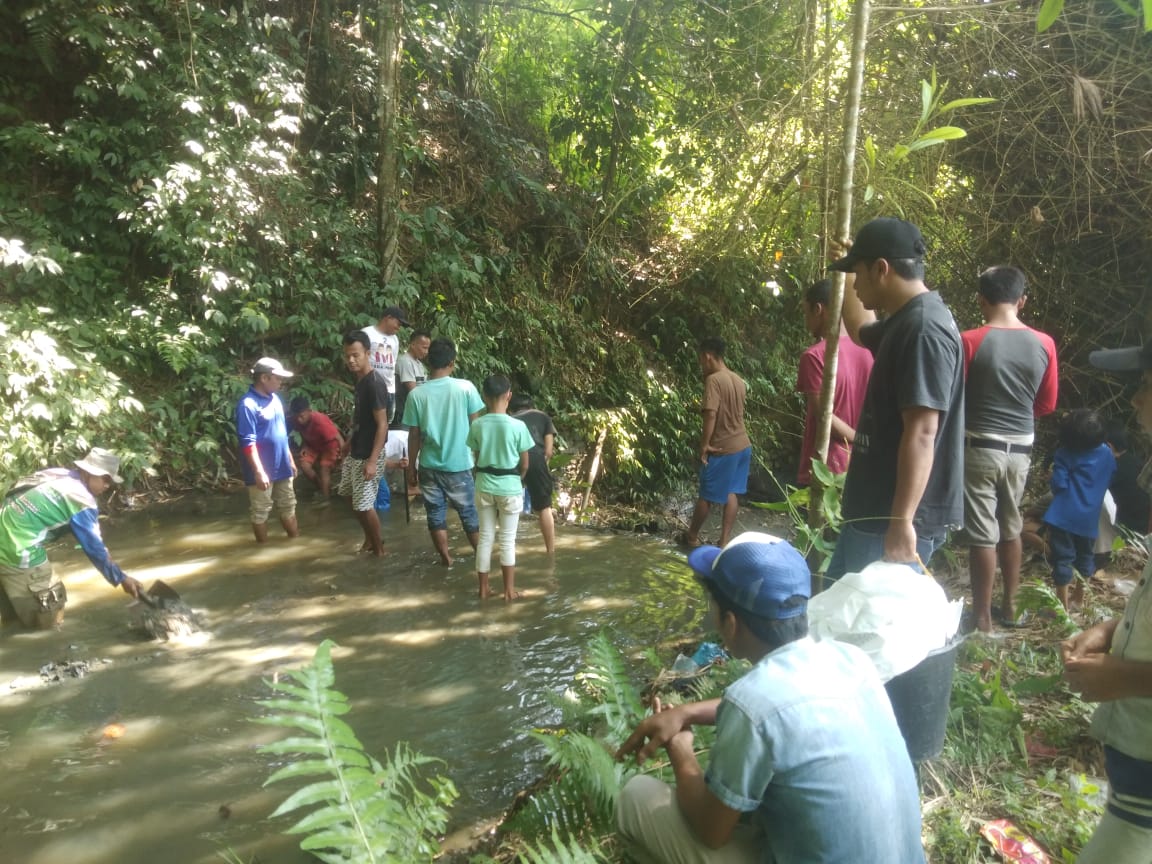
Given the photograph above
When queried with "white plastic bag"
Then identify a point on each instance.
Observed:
(892, 613)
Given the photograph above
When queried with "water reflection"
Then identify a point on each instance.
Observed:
(421, 659)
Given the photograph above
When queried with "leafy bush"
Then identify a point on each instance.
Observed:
(59, 399)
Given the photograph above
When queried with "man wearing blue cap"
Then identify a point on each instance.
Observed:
(808, 763)
(1111, 663)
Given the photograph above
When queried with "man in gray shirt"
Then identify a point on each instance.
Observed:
(1010, 379)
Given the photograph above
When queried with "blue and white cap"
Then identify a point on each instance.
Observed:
(757, 572)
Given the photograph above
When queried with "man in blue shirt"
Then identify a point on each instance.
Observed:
(808, 764)
(265, 457)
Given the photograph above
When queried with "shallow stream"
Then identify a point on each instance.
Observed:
(151, 756)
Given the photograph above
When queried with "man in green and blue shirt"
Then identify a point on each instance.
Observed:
(37, 510)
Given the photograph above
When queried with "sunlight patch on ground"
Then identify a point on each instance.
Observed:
(432, 635)
(444, 695)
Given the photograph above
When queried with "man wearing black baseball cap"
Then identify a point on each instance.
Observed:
(1111, 663)
(806, 741)
(905, 482)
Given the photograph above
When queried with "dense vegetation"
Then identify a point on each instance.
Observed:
(576, 194)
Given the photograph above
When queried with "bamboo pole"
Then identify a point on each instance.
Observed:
(861, 14)
(594, 467)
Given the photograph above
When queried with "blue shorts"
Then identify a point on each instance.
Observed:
(725, 475)
(441, 488)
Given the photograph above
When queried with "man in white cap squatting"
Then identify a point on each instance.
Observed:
(808, 763)
(36, 510)
(265, 457)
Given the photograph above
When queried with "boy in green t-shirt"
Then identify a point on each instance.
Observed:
(501, 445)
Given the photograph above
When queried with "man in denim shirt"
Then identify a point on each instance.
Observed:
(806, 742)
(1111, 663)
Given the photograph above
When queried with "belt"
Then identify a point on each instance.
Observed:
(498, 472)
(1002, 446)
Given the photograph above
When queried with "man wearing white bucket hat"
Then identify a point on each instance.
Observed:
(36, 510)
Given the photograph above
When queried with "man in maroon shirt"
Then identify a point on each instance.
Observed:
(1009, 379)
(322, 443)
(853, 365)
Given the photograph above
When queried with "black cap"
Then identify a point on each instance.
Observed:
(398, 313)
(1132, 359)
(887, 238)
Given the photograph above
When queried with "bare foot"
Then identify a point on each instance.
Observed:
(509, 596)
(446, 560)
(689, 540)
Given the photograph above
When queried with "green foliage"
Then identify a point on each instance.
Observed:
(813, 543)
(361, 810)
(1039, 598)
(562, 850)
(885, 173)
(984, 718)
(604, 707)
(59, 399)
(1050, 11)
(606, 683)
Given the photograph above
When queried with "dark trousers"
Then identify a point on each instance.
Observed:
(1070, 551)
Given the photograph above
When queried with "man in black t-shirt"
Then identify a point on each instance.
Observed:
(364, 447)
(905, 482)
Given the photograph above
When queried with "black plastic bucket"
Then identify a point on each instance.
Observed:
(920, 699)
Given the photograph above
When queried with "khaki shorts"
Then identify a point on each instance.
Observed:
(657, 832)
(35, 594)
(993, 488)
(280, 494)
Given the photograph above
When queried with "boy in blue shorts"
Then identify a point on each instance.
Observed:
(725, 449)
(501, 445)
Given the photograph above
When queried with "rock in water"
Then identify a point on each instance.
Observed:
(164, 620)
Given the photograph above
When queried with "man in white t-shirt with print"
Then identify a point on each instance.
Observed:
(385, 348)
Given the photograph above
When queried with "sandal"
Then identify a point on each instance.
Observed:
(1019, 622)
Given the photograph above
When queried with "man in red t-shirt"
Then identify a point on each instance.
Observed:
(322, 443)
(853, 366)
(1009, 380)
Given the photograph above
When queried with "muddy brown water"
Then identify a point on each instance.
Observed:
(421, 659)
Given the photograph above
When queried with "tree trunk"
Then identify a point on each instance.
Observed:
(843, 228)
(389, 43)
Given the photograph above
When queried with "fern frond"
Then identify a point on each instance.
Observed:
(365, 811)
(562, 851)
(606, 676)
(586, 767)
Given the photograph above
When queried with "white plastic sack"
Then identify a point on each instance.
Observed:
(396, 445)
(892, 613)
